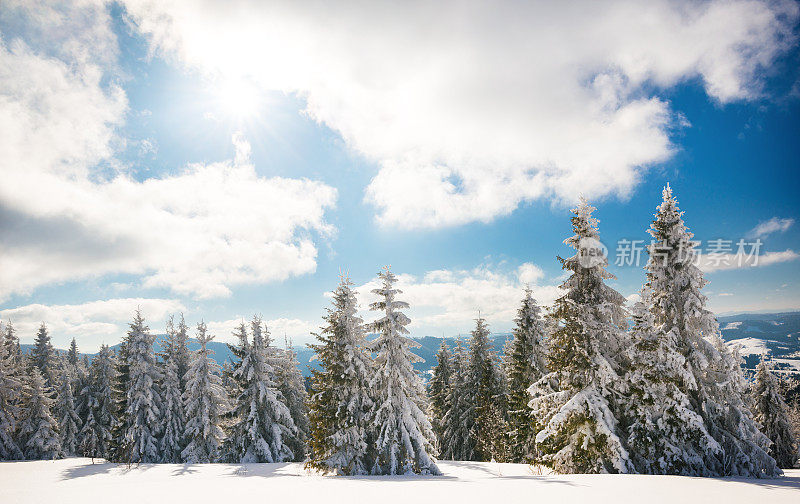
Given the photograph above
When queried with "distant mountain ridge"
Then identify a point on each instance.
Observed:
(776, 334)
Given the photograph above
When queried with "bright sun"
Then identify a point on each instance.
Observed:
(239, 98)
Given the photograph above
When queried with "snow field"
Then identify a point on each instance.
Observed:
(77, 480)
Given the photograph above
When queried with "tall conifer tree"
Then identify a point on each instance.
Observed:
(439, 389)
(711, 376)
(143, 413)
(204, 403)
(341, 400)
(69, 424)
(261, 425)
(10, 386)
(771, 413)
(576, 400)
(457, 443)
(43, 356)
(525, 364)
(38, 429)
(405, 438)
(95, 436)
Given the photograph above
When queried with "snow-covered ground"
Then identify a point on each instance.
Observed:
(77, 480)
(749, 346)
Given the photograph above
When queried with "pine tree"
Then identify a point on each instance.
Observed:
(204, 403)
(11, 342)
(180, 350)
(576, 400)
(261, 423)
(405, 436)
(291, 384)
(174, 419)
(438, 390)
(119, 449)
(95, 436)
(43, 356)
(525, 364)
(38, 429)
(69, 423)
(341, 400)
(771, 413)
(665, 435)
(679, 310)
(143, 413)
(72, 353)
(485, 416)
(457, 443)
(10, 386)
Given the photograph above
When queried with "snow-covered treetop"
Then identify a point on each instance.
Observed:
(393, 321)
(346, 310)
(589, 263)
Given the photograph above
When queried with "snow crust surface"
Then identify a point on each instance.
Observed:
(77, 480)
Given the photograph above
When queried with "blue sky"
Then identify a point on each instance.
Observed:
(230, 162)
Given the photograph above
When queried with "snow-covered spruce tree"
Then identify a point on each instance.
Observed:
(485, 416)
(69, 424)
(438, 390)
(43, 356)
(180, 349)
(525, 364)
(260, 424)
(204, 403)
(95, 436)
(10, 386)
(174, 419)
(11, 342)
(72, 353)
(771, 413)
(340, 398)
(118, 448)
(576, 400)
(457, 443)
(143, 413)
(729, 419)
(665, 435)
(292, 386)
(405, 437)
(679, 309)
(38, 429)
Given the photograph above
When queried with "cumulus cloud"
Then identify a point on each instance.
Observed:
(450, 300)
(774, 225)
(470, 109)
(92, 323)
(720, 262)
(69, 210)
(297, 331)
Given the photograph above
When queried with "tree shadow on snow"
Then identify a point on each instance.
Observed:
(184, 469)
(86, 470)
(496, 472)
(787, 481)
(262, 470)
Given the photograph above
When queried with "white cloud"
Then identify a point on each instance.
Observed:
(720, 262)
(69, 210)
(529, 273)
(470, 109)
(92, 323)
(774, 225)
(449, 300)
(296, 330)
